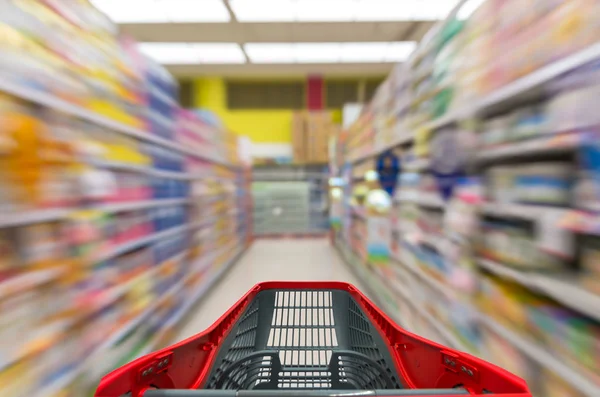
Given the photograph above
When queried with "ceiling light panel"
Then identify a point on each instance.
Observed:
(324, 11)
(407, 10)
(217, 53)
(376, 52)
(196, 11)
(194, 53)
(317, 52)
(164, 11)
(270, 52)
(340, 10)
(399, 51)
(263, 10)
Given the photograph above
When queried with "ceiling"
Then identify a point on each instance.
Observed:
(277, 37)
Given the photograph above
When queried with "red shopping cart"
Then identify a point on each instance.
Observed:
(308, 339)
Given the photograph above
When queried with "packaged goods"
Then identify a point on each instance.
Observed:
(545, 183)
(80, 186)
(529, 123)
(535, 183)
(590, 262)
(504, 354)
(40, 245)
(554, 386)
(523, 75)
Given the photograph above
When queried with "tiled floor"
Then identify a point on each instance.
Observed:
(269, 260)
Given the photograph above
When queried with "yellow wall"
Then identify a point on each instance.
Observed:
(261, 126)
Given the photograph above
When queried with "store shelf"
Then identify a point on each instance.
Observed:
(404, 139)
(541, 355)
(437, 325)
(22, 218)
(34, 216)
(44, 99)
(137, 320)
(67, 378)
(141, 205)
(446, 334)
(58, 384)
(545, 94)
(519, 88)
(27, 280)
(29, 343)
(562, 288)
(408, 262)
(529, 212)
(533, 147)
(531, 349)
(202, 290)
(373, 284)
(137, 243)
(377, 283)
(117, 292)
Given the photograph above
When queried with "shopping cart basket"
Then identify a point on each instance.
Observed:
(307, 339)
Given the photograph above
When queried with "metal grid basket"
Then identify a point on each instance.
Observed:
(312, 339)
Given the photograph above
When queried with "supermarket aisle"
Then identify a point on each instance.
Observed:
(269, 260)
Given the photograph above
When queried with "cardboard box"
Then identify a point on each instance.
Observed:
(310, 136)
(299, 141)
(318, 143)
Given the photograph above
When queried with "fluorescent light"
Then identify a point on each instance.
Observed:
(163, 11)
(408, 10)
(364, 52)
(340, 10)
(432, 10)
(193, 53)
(196, 11)
(325, 11)
(400, 51)
(383, 10)
(468, 8)
(170, 53)
(375, 52)
(176, 11)
(317, 52)
(270, 52)
(131, 11)
(216, 53)
(263, 10)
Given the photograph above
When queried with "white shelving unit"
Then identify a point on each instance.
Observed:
(206, 271)
(563, 289)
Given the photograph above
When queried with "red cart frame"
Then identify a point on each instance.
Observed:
(420, 363)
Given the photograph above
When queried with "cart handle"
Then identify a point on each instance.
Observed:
(305, 393)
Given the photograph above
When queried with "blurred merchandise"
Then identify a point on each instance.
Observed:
(495, 220)
(108, 191)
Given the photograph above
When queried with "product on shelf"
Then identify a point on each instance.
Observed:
(513, 243)
(553, 386)
(523, 125)
(590, 262)
(569, 336)
(96, 182)
(505, 355)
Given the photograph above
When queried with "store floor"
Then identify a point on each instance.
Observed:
(266, 260)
